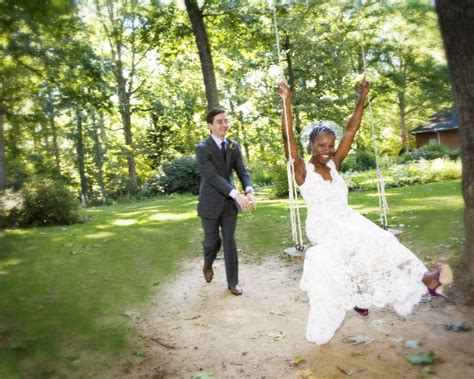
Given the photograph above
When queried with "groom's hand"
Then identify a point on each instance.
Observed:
(252, 200)
(243, 202)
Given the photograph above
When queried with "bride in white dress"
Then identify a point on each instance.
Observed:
(353, 263)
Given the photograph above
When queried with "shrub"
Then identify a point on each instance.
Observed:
(279, 176)
(152, 187)
(360, 160)
(429, 152)
(180, 175)
(48, 202)
(422, 171)
(261, 175)
(40, 202)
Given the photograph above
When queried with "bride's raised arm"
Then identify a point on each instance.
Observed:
(353, 125)
(289, 138)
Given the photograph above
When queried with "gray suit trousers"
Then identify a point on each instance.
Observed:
(225, 224)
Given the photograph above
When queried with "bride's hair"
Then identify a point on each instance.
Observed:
(311, 131)
(316, 132)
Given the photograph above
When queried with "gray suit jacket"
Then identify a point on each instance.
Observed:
(216, 175)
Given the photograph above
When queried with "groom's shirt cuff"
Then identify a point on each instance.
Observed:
(233, 194)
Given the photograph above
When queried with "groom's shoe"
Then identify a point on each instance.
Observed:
(235, 289)
(208, 273)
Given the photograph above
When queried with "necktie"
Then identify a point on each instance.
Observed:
(223, 149)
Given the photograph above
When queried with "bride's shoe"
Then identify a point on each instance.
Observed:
(443, 275)
(362, 311)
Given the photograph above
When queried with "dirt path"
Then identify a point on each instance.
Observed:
(195, 328)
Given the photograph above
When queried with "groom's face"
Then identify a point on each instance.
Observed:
(219, 126)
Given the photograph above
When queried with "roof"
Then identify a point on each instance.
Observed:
(438, 123)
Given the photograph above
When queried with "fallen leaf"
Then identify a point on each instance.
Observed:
(309, 373)
(412, 344)
(140, 353)
(277, 313)
(428, 370)
(257, 335)
(378, 322)
(276, 336)
(202, 375)
(297, 359)
(192, 317)
(358, 340)
(421, 358)
(350, 371)
(458, 327)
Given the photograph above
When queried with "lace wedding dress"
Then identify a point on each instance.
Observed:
(353, 261)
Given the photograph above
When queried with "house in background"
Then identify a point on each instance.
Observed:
(442, 128)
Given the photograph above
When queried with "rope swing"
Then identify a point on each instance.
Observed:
(383, 206)
(292, 186)
(290, 167)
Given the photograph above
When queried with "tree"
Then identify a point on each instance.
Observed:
(405, 57)
(196, 17)
(29, 34)
(456, 21)
(3, 174)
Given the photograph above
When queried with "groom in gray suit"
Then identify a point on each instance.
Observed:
(219, 200)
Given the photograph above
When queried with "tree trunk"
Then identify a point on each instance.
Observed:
(98, 155)
(54, 133)
(456, 20)
(126, 113)
(403, 127)
(81, 158)
(3, 172)
(119, 18)
(202, 41)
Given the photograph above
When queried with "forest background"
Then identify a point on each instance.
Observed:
(108, 96)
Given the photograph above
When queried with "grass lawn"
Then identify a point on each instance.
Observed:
(66, 291)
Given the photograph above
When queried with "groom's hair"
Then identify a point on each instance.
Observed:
(213, 113)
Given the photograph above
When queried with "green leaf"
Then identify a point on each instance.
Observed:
(358, 340)
(297, 359)
(140, 352)
(421, 358)
(202, 375)
(276, 336)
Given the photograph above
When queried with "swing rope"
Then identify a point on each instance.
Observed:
(295, 218)
(292, 186)
(383, 206)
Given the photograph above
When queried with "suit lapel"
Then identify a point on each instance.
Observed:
(216, 151)
(213, 146)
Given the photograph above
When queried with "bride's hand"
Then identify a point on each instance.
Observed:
(284, 90)
(364, 87)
